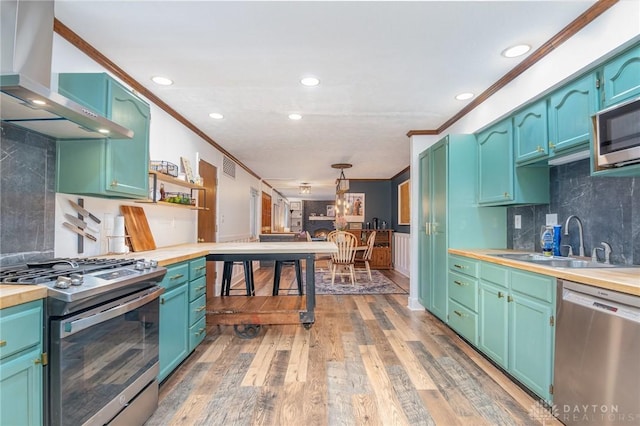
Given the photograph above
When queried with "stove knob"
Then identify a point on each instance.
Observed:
(76, 279)
(139, 266)
(147, 264)
(154, 263)
(62, 282)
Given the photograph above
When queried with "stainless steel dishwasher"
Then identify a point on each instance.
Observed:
(597, 358)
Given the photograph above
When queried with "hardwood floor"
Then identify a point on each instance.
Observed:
(368, 360)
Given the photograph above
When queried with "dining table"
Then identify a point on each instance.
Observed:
(248, 313)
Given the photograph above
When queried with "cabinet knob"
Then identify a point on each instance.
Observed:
(500, 294)
(509, 299)
(201, 240)
(162, 300)
(506, 195)
(114, 182)
(3, 343)
(540, 149)
(460, 314)
(460, 283)
(552, 145)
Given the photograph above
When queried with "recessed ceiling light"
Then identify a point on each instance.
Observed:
(38, 102)
(295, 116)
(216, 115)
(310, 81)
(103, 131)
(518, 50)
(464, 96)
(162, 81)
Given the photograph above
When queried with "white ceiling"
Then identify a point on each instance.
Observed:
(385, 68)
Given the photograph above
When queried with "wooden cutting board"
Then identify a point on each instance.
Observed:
(137, 228)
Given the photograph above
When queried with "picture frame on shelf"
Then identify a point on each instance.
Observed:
(355, 209)
(355, 225)
(331, 210)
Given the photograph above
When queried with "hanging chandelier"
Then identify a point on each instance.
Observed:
(305, 188)
(342, 186)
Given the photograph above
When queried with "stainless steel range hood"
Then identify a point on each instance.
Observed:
(27, 101)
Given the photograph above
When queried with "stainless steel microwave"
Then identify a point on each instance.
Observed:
(617, 141)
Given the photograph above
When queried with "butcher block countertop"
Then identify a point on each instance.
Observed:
(626, 280)
(11, 295)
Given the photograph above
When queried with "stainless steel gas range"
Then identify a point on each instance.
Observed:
(101, 337)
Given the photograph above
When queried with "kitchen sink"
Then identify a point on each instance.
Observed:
(554, 261)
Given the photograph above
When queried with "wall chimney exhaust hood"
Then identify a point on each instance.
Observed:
(26, 99)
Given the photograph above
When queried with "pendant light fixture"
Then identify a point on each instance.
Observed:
(342, 186)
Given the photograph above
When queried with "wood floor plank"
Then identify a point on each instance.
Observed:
(365, 410)
(382, 387)
(419, 376)
(409, 397)
(383, 347)
(289, 408)
(257, 372)
(264, 413)
(339, 391)
(288, 332)
(298, 361)
(383, 321)
(439, 408)
(363, 308)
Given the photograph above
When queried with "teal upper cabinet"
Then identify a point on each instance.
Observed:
(500, 182)
(570, 111)
(495, 155)
(530, 132)
(115, 168)
(621, 78)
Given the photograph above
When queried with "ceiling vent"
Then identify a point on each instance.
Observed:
(229, 167)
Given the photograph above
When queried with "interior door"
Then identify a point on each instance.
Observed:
(424, 258)
(266, 213)
(207, 218)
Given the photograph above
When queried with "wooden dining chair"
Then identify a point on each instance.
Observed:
(342, 262)
(363, 260)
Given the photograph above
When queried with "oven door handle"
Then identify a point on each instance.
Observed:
(74, 326)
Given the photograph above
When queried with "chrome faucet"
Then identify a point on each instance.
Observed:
(607, 252)
(566, 232)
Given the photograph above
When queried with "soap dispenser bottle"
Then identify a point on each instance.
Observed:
(546, 240)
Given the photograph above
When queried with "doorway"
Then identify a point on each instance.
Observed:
(207, 219)
(266, 213)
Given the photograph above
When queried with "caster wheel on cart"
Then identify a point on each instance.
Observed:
(307, 325)
(246, 331)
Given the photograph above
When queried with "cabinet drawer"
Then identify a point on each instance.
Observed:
(197, 288)
(196, 309)
(538, 286)
(176, 275)
(464, 321)
(197, 332)
(464, 289)
(20, 328)
(494, 273)
(463, 265)
(197, 268)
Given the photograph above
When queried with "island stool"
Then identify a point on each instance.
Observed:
(278, 270)
(227, 271)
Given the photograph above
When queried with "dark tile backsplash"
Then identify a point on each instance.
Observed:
(609, 208)
(27, 195)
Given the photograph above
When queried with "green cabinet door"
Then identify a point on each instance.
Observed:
(531, 343)
(570, 111)
(21, 389)
(438, 232)
(493, 327)
(621, 78)
(115, 168)
(530, 132)
(495, 156)
(425, 250)
(174, 326)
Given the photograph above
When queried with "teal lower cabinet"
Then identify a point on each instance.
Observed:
(463, 297)
(516, 318)
(174, 319)
(182, 313)
(21, 378)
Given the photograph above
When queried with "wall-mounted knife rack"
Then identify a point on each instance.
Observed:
(80, 237)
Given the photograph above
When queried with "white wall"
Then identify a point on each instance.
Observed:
(610, 33)
(169, 140)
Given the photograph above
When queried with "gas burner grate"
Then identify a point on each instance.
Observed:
(50, 270)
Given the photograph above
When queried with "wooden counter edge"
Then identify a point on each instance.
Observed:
(17, 294)
(591, 276)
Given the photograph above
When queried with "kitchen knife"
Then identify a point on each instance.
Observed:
(79, 231)
(77, 207)
(80, 223)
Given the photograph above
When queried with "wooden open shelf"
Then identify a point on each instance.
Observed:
(170, 179)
